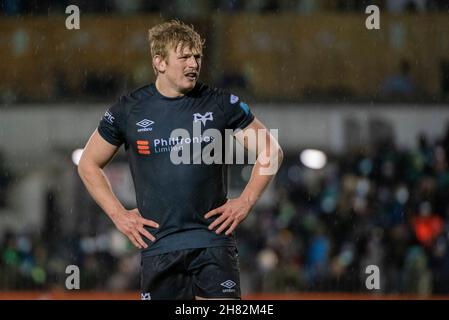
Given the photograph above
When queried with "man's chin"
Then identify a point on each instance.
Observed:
(188, 87)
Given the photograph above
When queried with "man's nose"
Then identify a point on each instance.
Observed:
(193, 62)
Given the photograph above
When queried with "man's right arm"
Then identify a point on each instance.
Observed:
(96, 155)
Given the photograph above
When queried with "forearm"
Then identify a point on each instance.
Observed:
(97, 184)
(263, 172)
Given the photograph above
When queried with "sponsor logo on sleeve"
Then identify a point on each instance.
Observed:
(109, 117)
(234, 99)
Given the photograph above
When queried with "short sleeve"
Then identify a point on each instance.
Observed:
(113, 124)
(238, 114)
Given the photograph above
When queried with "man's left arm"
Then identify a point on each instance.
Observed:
(269, 158)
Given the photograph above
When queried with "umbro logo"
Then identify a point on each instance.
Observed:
(203, 118)
(144, 125)
(228, 284)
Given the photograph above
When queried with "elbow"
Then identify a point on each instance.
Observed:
(88, 168)
(83, 168)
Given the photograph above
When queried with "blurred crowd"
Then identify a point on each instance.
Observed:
(378, 205)
(183, 8)
(31, 261)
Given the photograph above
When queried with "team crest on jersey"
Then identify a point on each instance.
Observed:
(203, 118)
(233, 99)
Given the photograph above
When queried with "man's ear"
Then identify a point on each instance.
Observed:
(159, 63)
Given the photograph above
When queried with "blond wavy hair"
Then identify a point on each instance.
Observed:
(171, 34)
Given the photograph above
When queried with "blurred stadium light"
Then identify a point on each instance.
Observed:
(313, 159)
(76, 156)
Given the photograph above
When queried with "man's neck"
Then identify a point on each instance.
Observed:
(166, 90)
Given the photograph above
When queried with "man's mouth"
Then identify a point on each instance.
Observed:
(191, 75)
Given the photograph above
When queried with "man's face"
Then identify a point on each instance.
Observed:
(182, 68)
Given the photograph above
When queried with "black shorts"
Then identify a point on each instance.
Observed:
(204, 272)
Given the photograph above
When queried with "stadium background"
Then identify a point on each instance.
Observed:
(375, 102)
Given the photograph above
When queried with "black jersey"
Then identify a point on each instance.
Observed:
(175, 195)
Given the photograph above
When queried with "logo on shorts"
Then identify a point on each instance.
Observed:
(145, 125)
(229, 285)
(145, 296)
(233, 99)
